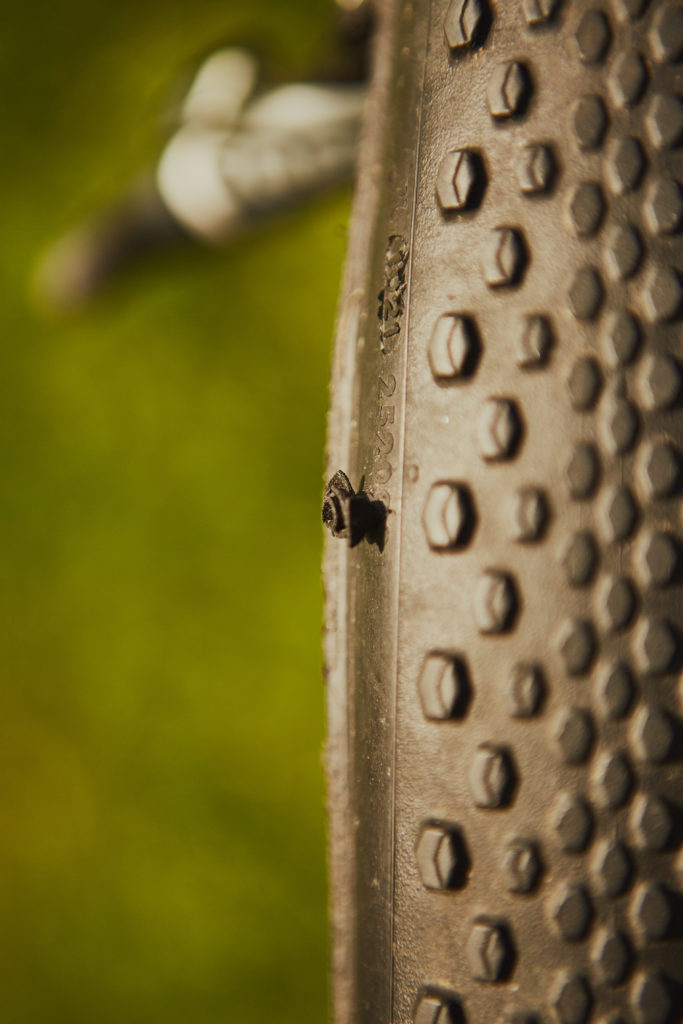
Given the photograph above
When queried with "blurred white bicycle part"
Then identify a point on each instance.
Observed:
(244, 150)
(240, 155)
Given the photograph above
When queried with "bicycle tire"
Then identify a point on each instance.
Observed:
(504, 748)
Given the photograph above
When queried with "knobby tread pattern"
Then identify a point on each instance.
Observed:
(538, 766)
(537, 781)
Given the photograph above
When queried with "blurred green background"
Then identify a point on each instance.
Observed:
(161, 704)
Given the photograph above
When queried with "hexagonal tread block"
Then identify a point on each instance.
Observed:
(584, 383)
(623, 252)
(611, 868)
(534, 342)
(572, 821)
(436, 1008)
(537, 12)
(441, 857)
(650, 998)
(522, 865)
(571, 911)
(626, 164)
(619, 425)
(615, 690)
(574, 734)
(658, 469)
(578, 646)
(586, 208)
(611, 780)
(610, 955)
(652, 734)
(489, 950)
(571, 998)
(505, 258)
(448, 516)
(526, 690)
(580, 559)
(663, 207)
(508, 90)
(495, 602)
(650, 912)
(628, 78)
(464, 25)
(659, 381)
(621, 338)
(664, 121)
(583, 471)
(444, 686)
(535, 169)
(530, 515)
(500, 429)
(615, 602)
(460, 181)
(657, 558)
(666, 34)
(590, 122)
(651, 823)
(593, 36)
(586, 293)
(654, 645)
(453, 350)
(491, 776)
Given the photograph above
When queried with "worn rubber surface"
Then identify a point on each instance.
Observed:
(505, 745)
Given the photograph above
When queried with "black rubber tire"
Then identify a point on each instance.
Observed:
(505, 742)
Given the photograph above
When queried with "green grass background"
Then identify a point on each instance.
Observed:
(161, 704)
